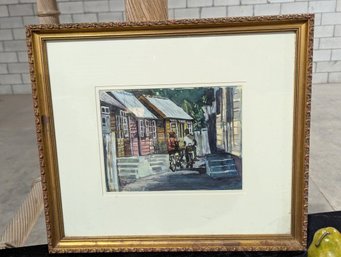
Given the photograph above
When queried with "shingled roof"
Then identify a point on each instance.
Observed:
(104, 97)
(133, 104)
(167, 108)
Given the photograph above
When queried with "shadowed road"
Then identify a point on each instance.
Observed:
(182, 180)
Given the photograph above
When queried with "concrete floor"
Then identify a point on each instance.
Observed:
(19, 157)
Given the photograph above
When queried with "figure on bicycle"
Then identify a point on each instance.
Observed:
(175, 154)
(173, 143)
(190, 149)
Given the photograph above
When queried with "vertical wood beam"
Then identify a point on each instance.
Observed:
(48, 12)
(146, 10)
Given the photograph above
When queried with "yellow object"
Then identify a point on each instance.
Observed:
(326, 243)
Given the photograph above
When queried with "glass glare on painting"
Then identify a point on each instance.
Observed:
(165, 139)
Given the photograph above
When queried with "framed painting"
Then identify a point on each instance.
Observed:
(186, 135)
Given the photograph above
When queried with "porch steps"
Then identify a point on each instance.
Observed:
(159, 162)
(221, 165)
(128, 168)
(132, 168)
(128, 160)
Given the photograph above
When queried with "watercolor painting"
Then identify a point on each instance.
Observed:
(172, 138)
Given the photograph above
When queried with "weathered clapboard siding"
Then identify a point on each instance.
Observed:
(160, 134)
(112, 121)
(134, 141)
(161, 145)
(220, 132)
(228, 121)
(127, 148)
(119, 141)
(120, 147)
(167, 130)
(133, 124)
(135, 147)
(167, 126)
(147, 146)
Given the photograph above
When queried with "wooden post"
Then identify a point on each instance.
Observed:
(142, 10)
(48, 12)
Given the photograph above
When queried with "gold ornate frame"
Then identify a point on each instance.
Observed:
(37, 35)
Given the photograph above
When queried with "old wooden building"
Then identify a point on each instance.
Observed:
(229, 119)
(109, 108)
(171, 117)
(129, 139)
(136, 127)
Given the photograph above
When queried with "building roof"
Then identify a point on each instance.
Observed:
(104, 97)
(133, 104)
(168, 108)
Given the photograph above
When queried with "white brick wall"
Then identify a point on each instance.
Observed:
(297, 7)
(336, 55)
(14, 14)
(116, 5)
(184, 13)
(3, 69)
(244, 10)
(253, 2)
(334, 77)
(96, 6)
(11, 22)
(20, 10)
(110, 16)
(199, 3)
(330, 43)
(3, 11)
(209, 12)
(16, 68)
(11, 79)
(331, 18)
(71, 7)
(226, 2)
(6, 34)
(328, 66)
(177, 3)
(324, 31)
(322, 55)
(338, 5)
(87, 17)
(281, 1)
(322, 6)
(320, 78)
(337, 31)
(267, 9)
(8, 57)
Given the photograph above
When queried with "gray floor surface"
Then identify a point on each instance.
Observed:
(19, 156)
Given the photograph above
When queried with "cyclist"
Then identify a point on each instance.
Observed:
(173, 143)
(190, 147)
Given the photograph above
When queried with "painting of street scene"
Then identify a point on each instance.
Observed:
(172, 138)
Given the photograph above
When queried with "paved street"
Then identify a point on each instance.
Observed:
(182, 180)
